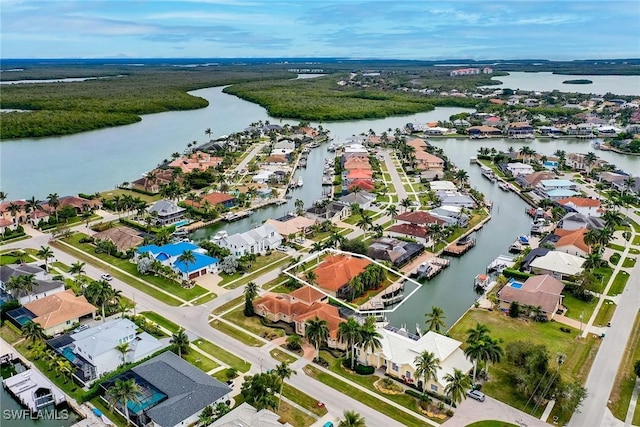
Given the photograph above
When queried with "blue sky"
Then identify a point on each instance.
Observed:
(399, 29)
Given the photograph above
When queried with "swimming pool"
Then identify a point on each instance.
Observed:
(516, 285)
(182, 223)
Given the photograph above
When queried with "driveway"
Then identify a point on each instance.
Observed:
(470, 411)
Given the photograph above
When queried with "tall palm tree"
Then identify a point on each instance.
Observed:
(124, 348)
(22, 284)
(427, 365)
(475, 350)
(3, 196)
(187, 257)
(369, 338)
(181, 341)
(250, 293)
(283, 372)
(316, 331)
(45, 253)
(99, 292)
(311, 277)
(350, 332)
(208, 132)
(123, 391)
(365, 222)
(493, 352)
(33, 331)
(457, 385)
(405, 203)
(54, 203)
(392, 210)
(435, 319)
(77, 268)
(352, 419)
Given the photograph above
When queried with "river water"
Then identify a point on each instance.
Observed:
(619, 85)
(99, 160)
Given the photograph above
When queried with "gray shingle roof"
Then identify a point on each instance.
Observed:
(188, 389)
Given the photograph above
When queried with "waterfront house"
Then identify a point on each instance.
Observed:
(44, 284)
(451, 215)
(215, 198)
(362, 184)
(418, 217)
(582, 205)
(556, 189)
(569, 241)
(173, 392)
(357, 163)
(363, 199)
(292, 225)
(455, 198)
(412, 231)
(124, 238)
(299, 306)
(168, 255)
(399, 349)
(284, 148)
(398, 252)
(276, 160)
(15, 211)
(153, 181)
(246, 415)
(533, 179)
(558, 264)
(428, 161)
(574, 221)
(166, 212)
(354, 150)
(442, 186)
(349, 177)
(331, 210)
(5, 225)
(195, 161)
(484, 131)
(517, 169)
(94, 353)
(263, 176)
(335, 272)
(55, 313)
(519, 129)
(614, 179)
(255, 241)
(542, 292)
(418, 144)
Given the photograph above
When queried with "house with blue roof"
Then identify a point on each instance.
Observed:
(168, 255)
(556, 189)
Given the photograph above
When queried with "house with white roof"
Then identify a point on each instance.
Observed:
(399, 350)
(169, 255)
(556, 189)
(517, 168)
(166, 212)
(284, 147)
(246, 415)
(582, 205)
(93, 352)
(455, 198)
(558, 264)
(263, 176)
(255, 241)
(442, 185)
(451, 215)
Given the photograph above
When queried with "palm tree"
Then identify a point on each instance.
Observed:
(21, 284)
(3, 196)
(365, 222)
(350, 333)
(208, 132)
(427, 365)
(45, 253)
(54, 202)
(594, 260)
(33, 331)
(493, 352)
(311, 277)
(316, 331)
(352, 419)
(187, 257)
(369, 338)
(125, 391)
(589, 159)
(284, 372)
(435, 319)
(124, 348)
(392, 210)
(475, 349)
(462, 176)
(77, 268)
(250, 293)
(99, 292)
(405, 203)
(181, 341)
(457, 385)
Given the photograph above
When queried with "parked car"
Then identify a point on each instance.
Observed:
(80, 328)
(230, 383)
(477, 395)
(283, 248)
(106, 277)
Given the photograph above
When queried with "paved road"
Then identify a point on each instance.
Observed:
(395, 176)
(470, 411)
(605, 366)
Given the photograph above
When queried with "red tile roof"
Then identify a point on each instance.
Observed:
(410, 230)
(357, 163)
(360, 174)
(361, 184)
(581, 201)
(543, 291)
(419, 217)
(337, 270)
(572, 237)
(307, 294)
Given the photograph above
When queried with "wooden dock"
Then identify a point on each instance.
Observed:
(436, 265)
(456, 249)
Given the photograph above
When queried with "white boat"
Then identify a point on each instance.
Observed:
(300, 182)
(504, 186)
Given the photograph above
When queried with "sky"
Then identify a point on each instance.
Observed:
(420, 29)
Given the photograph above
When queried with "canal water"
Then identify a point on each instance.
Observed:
(13, 415)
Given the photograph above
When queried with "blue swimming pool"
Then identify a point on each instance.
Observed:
(516, 285)
(68, 353)
(182, 223)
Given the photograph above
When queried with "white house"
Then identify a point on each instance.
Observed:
(558, 264)
(451, 215)
(517, 169)
(262, 177)
(399, 350)
(442, 186)
(166, 212)
(284, 147)
(582, 205)
(94, 351)
(44, 286)
(255, 241)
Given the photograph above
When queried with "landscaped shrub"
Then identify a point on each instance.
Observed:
(614, 259)
(359, 368)
(321, 361)
(565, 330)
(508, 272)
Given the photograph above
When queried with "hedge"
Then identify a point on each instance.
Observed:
(141, 227)
(508, 272)
(418, 395)
(360, 369)
(137, 190)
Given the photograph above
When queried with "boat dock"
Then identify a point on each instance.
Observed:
(430, 268)
(235, 216)
(500, 263)
(34, 391)
(460, 247)
(391, 295)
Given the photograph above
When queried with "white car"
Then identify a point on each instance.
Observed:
(106, 277)
(283, 248)
(477, 395)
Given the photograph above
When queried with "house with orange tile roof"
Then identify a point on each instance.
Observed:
(483, 131)
(357, 163)
(362, 184)
(299, 306)
(571, 241)
(418, 143)
(427, 161)
(198, 160)
(582, 205)
(354, 174)
(214, 198)
(336, 271)
(59, 311)
(14, 211)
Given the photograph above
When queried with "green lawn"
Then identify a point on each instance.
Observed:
(8, 258)
(60, 266)
(204, 299)
(604, 274)
(116, 418)
(162, 283)
(200, 361)
(362, 397)
(224, 375)
(281, 356)
(576, 307)
(636, 240)
(616, 247)
(307, 402)
(629, 262)
(222, 355)
(9, 333)
(605, 314)
(120, 192)
(165, 323)
(619, 283)
(260, 262)
(236, 333)
(491, 423)
(580, 353)
(229, 305)
(294, 416)
(251, 324)
(625, 378)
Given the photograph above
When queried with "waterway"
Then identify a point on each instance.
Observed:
(619, 85)
(12, 415)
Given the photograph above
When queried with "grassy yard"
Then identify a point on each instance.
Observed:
(236, 333)
(605, 314)
(307, 402)
(60, 266)
(281, 356)
(576, 307)
(260, 262)
(294, 416)
(228, 305)
(604, 274)
(491, 423)
(251, 324)
(580, 353)
(8, 258)
(222, 355)
(165, 323)
(616, 247)
(82, 255)
(117, 419)
(124, 264)
(625, 378)
(120, 192)
(362, 397)
(205, 299)
(636, 241)
(618, 283)
(629, 262)
(9, 334)
(200, 361)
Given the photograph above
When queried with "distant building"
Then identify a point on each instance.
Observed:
(466, 72)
